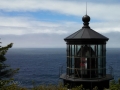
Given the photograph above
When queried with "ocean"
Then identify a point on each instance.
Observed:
(42, 65)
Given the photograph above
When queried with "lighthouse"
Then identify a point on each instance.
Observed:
(86, 58)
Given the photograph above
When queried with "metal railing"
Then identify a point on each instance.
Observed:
(110, 70)
(101, 72)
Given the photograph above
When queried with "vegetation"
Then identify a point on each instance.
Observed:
(41, 87)
(5, 71)
(113, 86)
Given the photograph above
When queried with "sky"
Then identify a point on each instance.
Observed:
(45, 23)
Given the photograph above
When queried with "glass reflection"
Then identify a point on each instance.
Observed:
(86, 61)
(85, 65)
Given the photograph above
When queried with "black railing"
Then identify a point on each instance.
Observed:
(79, 73)
(110, 70)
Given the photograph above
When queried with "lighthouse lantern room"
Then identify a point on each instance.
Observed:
(86, 58)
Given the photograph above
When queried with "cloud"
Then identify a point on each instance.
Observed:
(104, 11)
(106, 27)
(21, 25)
(30, 31)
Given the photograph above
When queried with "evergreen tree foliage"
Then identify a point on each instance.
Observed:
(5, 70)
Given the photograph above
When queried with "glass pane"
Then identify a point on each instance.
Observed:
(72, 48)
(67, 71)
(67, 61)
(99, 63)
(100, 67)
(104, 50)
(93, 50)
(67, 50)
(78, 49)
(86, 61)
(75, 50)
(99, 50)
(72, 65)
(104, 66)
(104, 61)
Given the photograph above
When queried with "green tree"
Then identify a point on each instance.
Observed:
(115, 85)
(5, 70)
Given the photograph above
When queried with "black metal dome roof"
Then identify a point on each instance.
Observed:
(86, 33)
